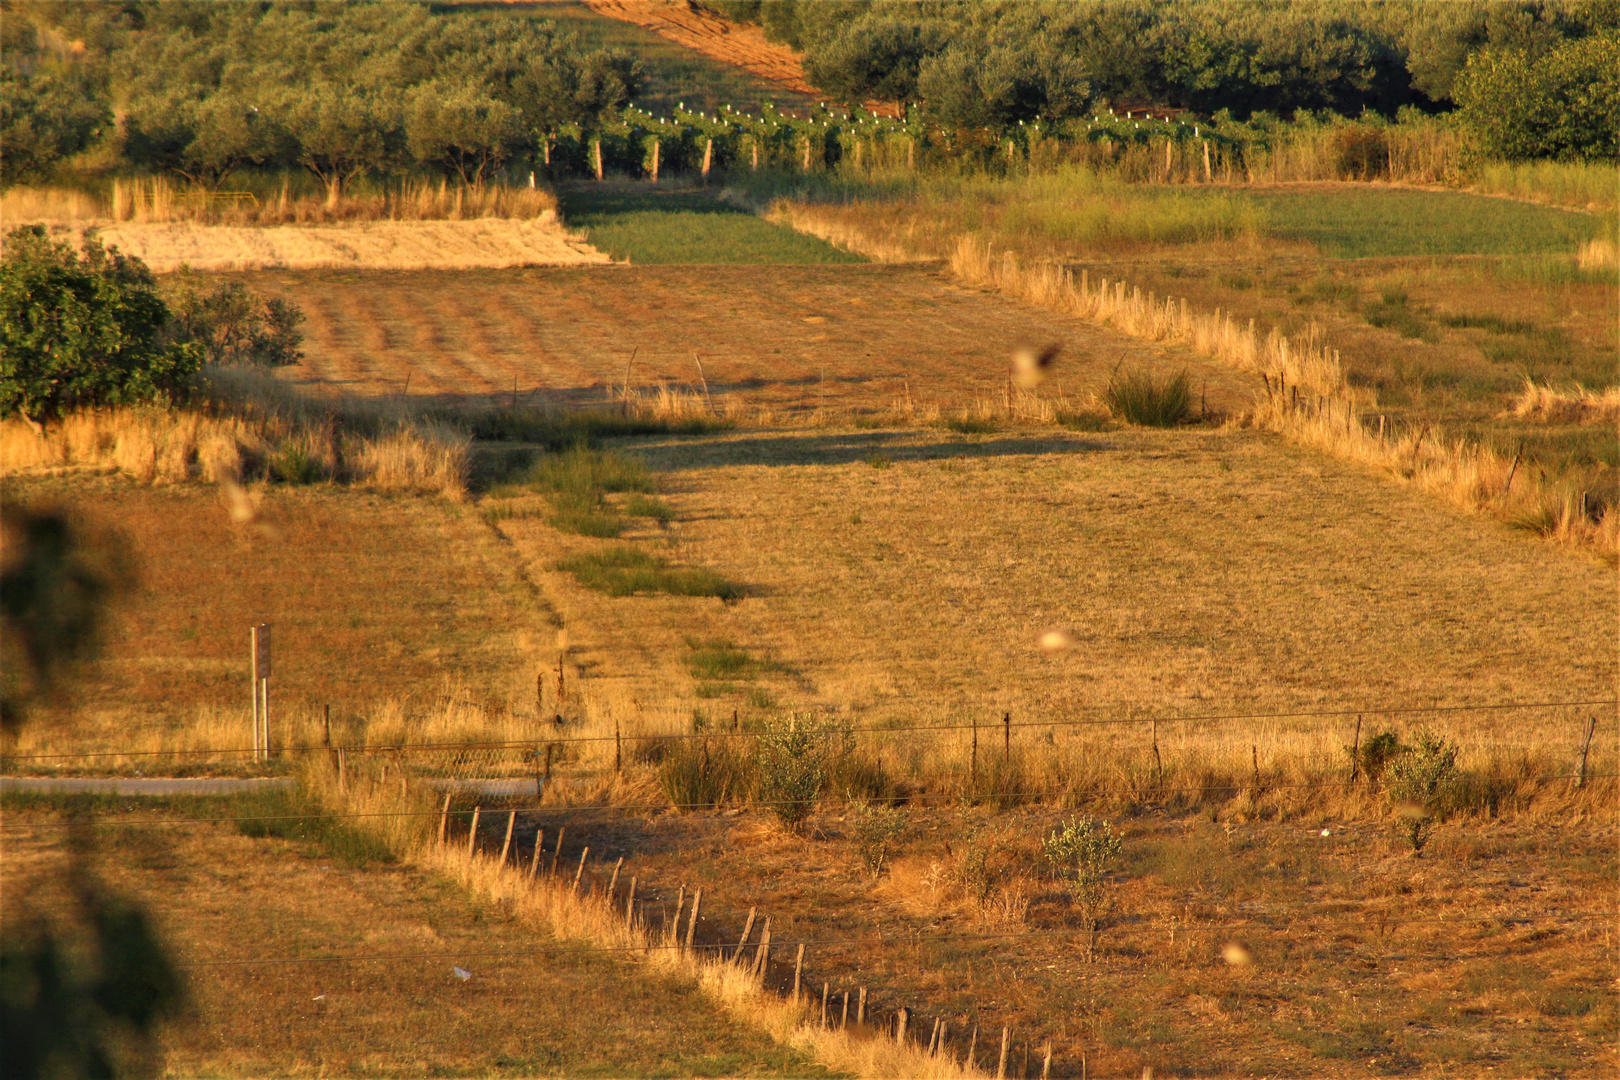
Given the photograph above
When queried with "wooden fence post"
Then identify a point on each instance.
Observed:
(1355, 752)
(824, 988)
(748, 928)
(1006, 735)
(1046, 1061)
(762, 955)
(973, 760)
(973, 1046)
(506, 845)
(613, 882)
(630, 906)
(580, 872)
(798, 969)
(1001, 1067)
(843, 1021)
(534, 860)
(860, 1008)
(1585, 749)
(900, 1020)
(444, 819)
(556, 852)
(691, 926)
(472, 833)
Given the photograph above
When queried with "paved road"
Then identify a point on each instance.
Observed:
(215, 785)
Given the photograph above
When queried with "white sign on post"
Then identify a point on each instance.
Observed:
(260, 655)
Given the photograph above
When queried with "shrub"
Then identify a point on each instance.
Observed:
(1376, 753)
(1081, 854)
(876, 830)
(1423, 780)
(1138, 398)
(234, 326)
(85, 329)
(792, 766)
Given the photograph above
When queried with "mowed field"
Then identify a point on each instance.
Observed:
(790, 340)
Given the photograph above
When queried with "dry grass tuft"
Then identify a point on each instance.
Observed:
(160, 199)
(1576, 405)
(248, 427)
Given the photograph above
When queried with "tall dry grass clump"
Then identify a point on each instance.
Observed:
(246, 426)
(1117, 304)
(283, 200)
(1468, 475)
(1574, 405)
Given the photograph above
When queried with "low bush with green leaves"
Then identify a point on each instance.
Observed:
(1081, 854)
(793, 757)
(1422, 783)
(876, 832)
(1138, 398)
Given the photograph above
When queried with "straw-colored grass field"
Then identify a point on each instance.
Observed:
(535, 1005)
(362, 245)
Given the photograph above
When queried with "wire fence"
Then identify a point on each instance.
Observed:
(559, 737)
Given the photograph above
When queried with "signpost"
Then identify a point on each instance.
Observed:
(261, 691)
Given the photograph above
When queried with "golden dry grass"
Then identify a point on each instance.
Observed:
(535, 1006)
(371, 245)
(1197, 573)
(381, 605)
(160, 199)
(1575, 405)
(1462, 471)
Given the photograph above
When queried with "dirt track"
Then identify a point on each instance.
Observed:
(707, 33)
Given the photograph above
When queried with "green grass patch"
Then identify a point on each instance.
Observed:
(720, 659)
(652, 224)
(558, 431)
(1138, 398)
(625, 571)
(1493, 323)
(964, 425)
(1353, 223)
(582, 471)
(646, 506)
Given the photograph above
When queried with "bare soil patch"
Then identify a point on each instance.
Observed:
(703, 31)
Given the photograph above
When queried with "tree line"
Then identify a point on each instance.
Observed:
(337, 89)
(346, 90)
(992, 63)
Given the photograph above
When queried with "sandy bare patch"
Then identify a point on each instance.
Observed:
(373, 245)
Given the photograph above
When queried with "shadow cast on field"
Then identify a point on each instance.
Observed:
(878, 447)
